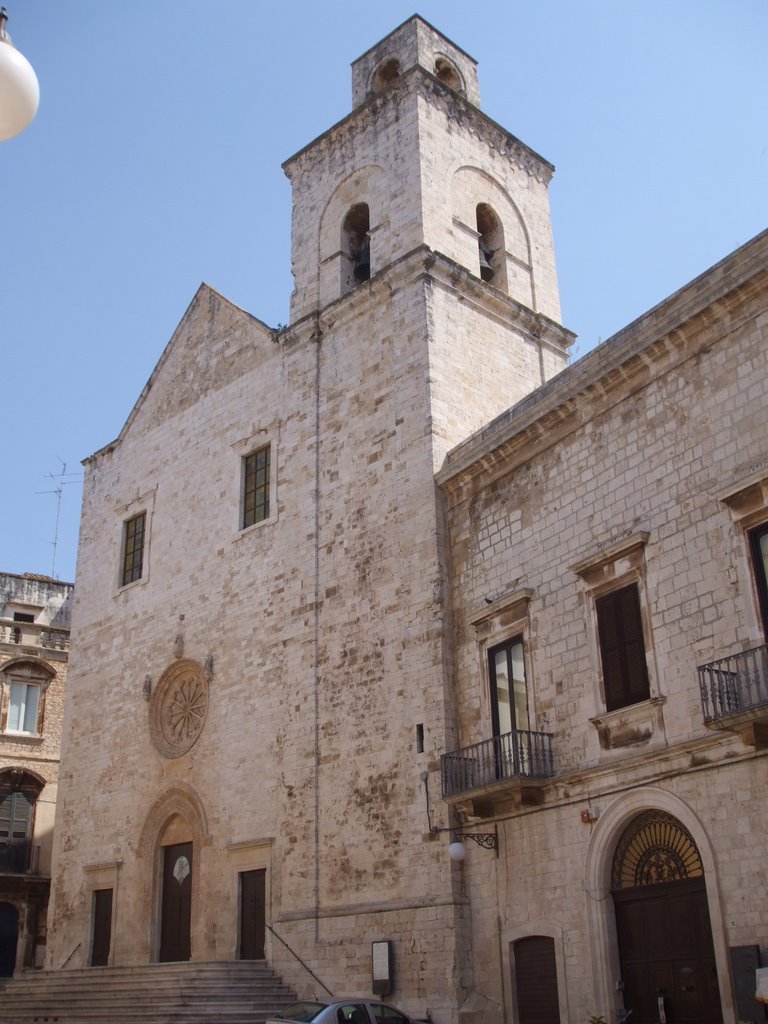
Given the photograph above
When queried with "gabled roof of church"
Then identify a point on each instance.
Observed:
(185, 331)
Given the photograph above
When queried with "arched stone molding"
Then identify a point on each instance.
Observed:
(363, 186)
(601, 920)
(14, 664)
(523, 931)
(181, 801)
(472, 187)
(11, 772)
(446, 71)
(385, 73)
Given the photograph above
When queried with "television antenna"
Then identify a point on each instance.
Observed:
(60, 481)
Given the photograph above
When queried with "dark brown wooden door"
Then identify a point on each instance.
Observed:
(665, 945)
(9, 937)
(252, 914)
(177, 903)
(535, 969)
(102, 927)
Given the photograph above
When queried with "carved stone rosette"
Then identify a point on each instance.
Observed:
(178, 707)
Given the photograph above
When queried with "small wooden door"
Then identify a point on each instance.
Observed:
(252, 914)
(176, 913)
(665, 944)
(535, 979)
(9, 938)
(102, 927)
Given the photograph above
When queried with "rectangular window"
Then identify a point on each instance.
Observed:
(509, 693)
(133, 548)
(622, 648)
(758, 542)
(509, 710)
(23, 704)
(256, 487)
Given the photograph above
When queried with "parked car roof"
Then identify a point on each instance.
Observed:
(352, 1010)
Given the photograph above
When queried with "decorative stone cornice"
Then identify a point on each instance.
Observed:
(419, 82)
(701, 313)
(472, 119)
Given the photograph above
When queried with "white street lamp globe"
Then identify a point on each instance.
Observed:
(457, 850)
(19, 89)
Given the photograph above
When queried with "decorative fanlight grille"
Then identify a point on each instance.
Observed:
(655, 848)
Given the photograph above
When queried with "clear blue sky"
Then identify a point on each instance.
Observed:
(154, 164)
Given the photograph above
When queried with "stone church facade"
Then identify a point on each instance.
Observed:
(394, 575)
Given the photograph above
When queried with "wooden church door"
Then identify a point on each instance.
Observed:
(176, 913)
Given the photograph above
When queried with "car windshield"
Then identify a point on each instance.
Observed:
(304, 1012)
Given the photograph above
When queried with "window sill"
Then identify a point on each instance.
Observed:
(21, 737)
(134, 583)
(248, 530)
(628, 730)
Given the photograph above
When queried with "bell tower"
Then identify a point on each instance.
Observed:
(426, 295)
(418, 173)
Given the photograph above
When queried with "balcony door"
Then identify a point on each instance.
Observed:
(17, 804)
(759, 544)
(509, 707)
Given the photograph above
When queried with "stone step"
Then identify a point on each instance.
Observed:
(236, 992)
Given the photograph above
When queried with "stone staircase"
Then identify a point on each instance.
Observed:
(237, 992)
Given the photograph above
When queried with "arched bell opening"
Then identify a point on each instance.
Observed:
(355, 247)
(385, 74)
(448, 75)
(666, 951)
(491, 249)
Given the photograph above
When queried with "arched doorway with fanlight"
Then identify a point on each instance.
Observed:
(666, 952)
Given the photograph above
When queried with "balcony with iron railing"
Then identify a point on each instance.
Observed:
(33, 635)
(19, 857)
(512, 767)
(734, 693)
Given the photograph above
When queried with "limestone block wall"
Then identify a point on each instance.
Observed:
(467, 159)
(639, 460)
(545, 873)
(371, 157)
(651, 460)
(322, 632)
(486, 353)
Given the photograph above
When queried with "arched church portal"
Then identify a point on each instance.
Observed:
(662, 922)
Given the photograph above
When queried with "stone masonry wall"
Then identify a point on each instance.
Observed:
(641, 450)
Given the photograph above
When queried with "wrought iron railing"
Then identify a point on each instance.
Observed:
(19, 857)
(735, 684)
(518, 754)
(31, 634)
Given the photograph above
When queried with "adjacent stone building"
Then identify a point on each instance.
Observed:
(394, 580)
(34, 644)
(608, 542)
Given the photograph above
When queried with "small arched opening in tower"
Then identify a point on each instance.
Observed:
(490, 244)
(385, 74)
(355, 246)
(448, 75)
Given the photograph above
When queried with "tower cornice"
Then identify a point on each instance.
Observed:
(459, 110)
